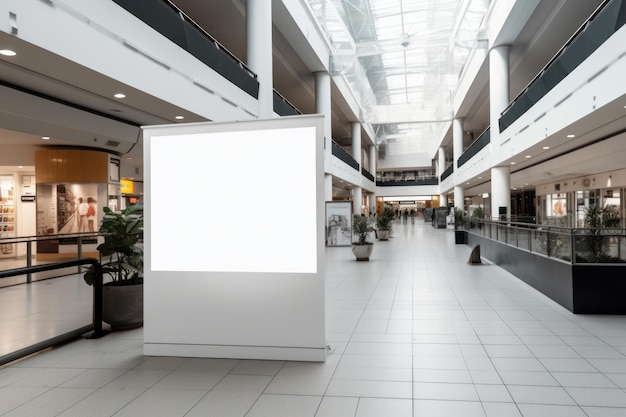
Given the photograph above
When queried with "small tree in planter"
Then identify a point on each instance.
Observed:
(122, 261)
(598, 219)
(384, 222)
(361, 228)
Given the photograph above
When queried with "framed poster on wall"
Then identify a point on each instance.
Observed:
(338, 223)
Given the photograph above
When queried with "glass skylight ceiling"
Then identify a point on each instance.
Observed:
(402, 59)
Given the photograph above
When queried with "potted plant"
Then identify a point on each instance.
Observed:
(122, 262)
(599, 223)
(361, 247)
(460, 235)
(383, 223)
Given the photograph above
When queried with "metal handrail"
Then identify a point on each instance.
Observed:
(30, 239)
(564, 243)
(96, 325)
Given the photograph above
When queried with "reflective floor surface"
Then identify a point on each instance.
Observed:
(416, 331)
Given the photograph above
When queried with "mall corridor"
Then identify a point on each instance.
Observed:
(414, 332)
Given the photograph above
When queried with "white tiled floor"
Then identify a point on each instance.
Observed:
(414, 332)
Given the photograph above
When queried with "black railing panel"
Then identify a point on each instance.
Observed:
(408, 183)
(164, 17)
(367, 174)
(447, 172)
(605, 21)
(344, 156)
(475, 147)
(283, 107)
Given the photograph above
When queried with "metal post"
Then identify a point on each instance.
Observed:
(79, 253)
(29, 260)
(97, 303)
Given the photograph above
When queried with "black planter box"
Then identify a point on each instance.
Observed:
(460, 237)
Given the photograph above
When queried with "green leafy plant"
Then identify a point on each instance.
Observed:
(459, 218)
(478, 213)
(122, 250)
(383, 222)
(597, 220)
(361, 227)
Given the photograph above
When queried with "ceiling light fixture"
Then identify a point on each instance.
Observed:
(179, 117)
(513, 163)
(45, 137)
(571, 136)
(528, 156)
(7, 52)
(546, 147)
(119, 95)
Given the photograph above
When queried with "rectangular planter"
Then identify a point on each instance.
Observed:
(581, 288)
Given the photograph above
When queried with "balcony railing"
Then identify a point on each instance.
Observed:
(340, 153)
(367, 174)
(573, 245)
(171, 22)
(604, 22)
(475, 147)
(405, 183)
(447, 172)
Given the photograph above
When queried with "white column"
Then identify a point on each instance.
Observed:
(373, 157)
(323, 106)
(356, 142)
(357, 195)
(441, 166)
(259, 41)
(441, 161)
(459, 198)
(328, 187)
(500, 191)
(372, 169)
(499, 87)
(372, 198)
(443, 200)
(457, 140)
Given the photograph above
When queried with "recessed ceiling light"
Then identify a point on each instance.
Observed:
(480, 178)
(571, 136)
(180, 117)
(7, 52)
(45, 137)
(20, 166)
(513, 163)
(130, 158)
(119, 95)
(546, 147)
(528, 156)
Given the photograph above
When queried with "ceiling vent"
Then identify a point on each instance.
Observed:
(112, 143)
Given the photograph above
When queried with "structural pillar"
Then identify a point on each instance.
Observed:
(323, 107)
(357, 195)
(457, 140)
(459, 198)
(356, 154)
(372, 167)
(259, 41)
(500, 193)
(499, 87)
(441, 166)
(372, 198)
(328, 187)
